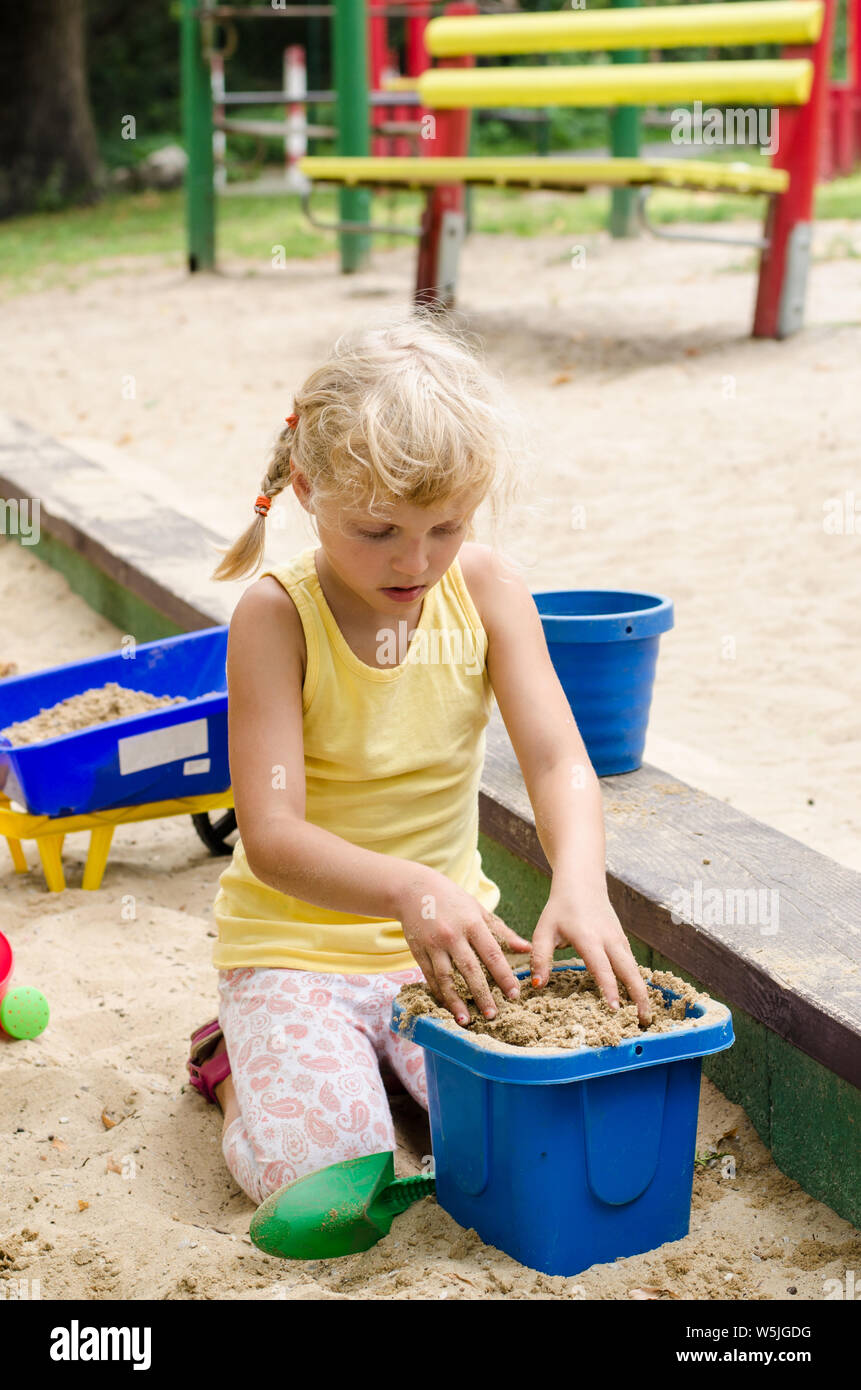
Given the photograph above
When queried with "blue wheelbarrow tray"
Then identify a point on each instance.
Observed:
(174, 751)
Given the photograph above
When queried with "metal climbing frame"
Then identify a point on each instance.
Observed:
(359, 53)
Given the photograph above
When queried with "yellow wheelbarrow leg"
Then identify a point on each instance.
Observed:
(18, 857)
(50, 849)
(97, 856)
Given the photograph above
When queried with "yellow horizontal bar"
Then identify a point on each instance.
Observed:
(762, 82)
(533, 172)
(398, 84)
(676, 26)
(23, 825)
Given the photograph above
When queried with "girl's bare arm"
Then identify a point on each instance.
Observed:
(264, 676)
(562, 786)
(441, 922)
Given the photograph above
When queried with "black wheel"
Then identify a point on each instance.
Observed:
(214, 832)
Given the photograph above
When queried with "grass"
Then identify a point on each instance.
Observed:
(70, 246)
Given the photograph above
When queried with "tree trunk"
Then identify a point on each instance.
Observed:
(48, 150)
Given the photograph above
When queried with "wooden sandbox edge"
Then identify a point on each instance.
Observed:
(791, 975)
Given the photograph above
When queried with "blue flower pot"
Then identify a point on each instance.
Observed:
(604, 646)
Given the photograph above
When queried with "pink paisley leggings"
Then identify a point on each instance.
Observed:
(304, 1052)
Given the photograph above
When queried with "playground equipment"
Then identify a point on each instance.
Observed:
(24, 1011)
(795, 84)
(842, 134)
(167, 761)
(49, 832)
(369, 117)
(360, 52)
(841, 131)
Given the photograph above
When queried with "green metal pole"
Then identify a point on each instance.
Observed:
(197, 130)
(624, 142)
(350, 67)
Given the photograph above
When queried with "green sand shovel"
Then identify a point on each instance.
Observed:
(340, 1210)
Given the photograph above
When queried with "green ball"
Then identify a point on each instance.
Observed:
(24, 1012)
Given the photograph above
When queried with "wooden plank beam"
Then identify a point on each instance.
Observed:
(652, 26)
(758, 82)
(161, 556)
(664, 838)
(530, 171)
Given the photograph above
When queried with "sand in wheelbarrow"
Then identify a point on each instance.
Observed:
(100, 705)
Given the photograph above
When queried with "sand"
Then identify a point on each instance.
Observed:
(568, 1012)
(703, 464)
(99, 705)
(147, 1209)
(711, 497)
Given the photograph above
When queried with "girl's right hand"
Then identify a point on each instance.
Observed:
(445, 926)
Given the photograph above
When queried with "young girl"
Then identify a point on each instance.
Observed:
(361, 676)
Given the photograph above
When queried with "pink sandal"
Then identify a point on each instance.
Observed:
(206, 1071)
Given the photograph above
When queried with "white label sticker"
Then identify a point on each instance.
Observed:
(196, 765)
(140, 751)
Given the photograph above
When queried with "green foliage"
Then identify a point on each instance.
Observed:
(133, 70)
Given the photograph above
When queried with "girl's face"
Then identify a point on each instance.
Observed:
(406, 549)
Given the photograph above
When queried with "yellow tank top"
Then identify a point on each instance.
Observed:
(393, 762)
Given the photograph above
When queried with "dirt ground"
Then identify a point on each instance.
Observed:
(703, 465)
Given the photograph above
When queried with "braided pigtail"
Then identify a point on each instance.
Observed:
(402, 410)
(245, 555)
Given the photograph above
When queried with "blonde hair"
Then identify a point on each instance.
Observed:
(404, 411)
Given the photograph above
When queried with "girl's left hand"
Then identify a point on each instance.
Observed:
(587, 922)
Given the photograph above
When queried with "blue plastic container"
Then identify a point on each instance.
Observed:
(179, 750)
(567, 1158)
(604, 646)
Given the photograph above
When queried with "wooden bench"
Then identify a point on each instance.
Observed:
(794, 85)
(795, 994)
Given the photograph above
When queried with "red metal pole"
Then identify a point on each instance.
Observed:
(853, 63)
(417, 55)
(844, 153)
(396, 144)
(444, 215)
(827, 146)
(841, 145)
(377, 64)
(783, 267)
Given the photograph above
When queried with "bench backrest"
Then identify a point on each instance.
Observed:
(455, 41)
(664, 26)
